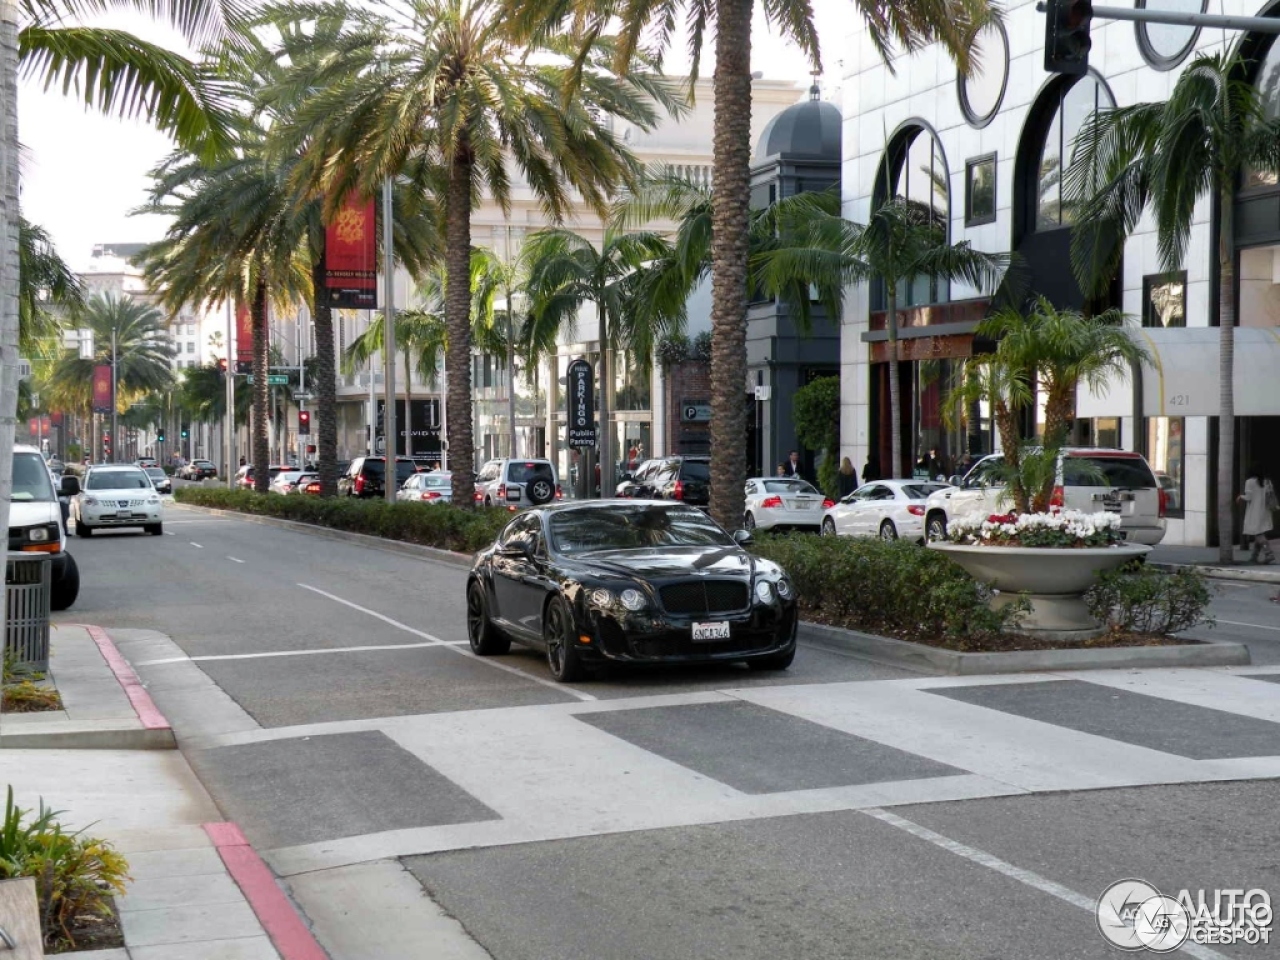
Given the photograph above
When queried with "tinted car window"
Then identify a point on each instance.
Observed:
(30, 479)
(374, 468)
(919, 491)
(696, 470)
(627, 527)
(1094, 471)
(155, 473)
(117, 480)
(435, 480)
(405, 469)
(788, 486)
(521, 471)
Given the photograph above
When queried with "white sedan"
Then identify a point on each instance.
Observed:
(117, 496)
(783, 502)
(887, 509)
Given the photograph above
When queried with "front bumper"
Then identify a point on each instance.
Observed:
(113, 515)
(658, 637)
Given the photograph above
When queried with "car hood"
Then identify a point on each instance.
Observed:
(28, 513)
(131, 494)
(660, 563)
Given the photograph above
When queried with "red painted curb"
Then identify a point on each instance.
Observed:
(278, 916)
(148, 713)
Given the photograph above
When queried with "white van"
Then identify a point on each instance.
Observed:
(37, 524)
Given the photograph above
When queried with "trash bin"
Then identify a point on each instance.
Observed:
(27, 579)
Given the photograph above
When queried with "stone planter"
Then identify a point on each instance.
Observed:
(1054, 579)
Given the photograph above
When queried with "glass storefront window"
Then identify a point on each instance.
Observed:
(1166, 452)
(631, 383)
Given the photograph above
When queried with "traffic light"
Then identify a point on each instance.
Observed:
(304, 423)
(185, 434)
(1066, 36)
(160, 435)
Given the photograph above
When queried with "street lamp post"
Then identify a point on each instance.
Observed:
(115, 416)
(389, 344)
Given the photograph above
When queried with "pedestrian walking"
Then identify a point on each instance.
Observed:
(793, 464)
(1259, 498)
(848, 478)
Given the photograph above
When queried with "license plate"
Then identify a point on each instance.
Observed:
(802, 504)
(123, 515)
(513, 496)
(711, 631)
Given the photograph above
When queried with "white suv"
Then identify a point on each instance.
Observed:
(1089, 480)
(36, 522)
(517, 483)
(117, 496)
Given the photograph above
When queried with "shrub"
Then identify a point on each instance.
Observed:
(20, 691)
(75, 875)
(892, 588)
(445, 527)
(1140, 599)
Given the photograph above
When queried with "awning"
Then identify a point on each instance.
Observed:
(1181, 380)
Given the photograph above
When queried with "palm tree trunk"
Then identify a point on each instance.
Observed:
(326, 386)
(731, 157)
(8, 249)
(895, 382)
(606, 435)
(261, 389)
(457, 321)
(1226, 378)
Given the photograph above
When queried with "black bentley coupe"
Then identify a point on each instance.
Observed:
(628, 580)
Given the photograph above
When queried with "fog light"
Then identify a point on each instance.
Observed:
(764, 591)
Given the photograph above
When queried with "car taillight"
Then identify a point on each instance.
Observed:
(828, 503)
(677, 492)
(1057, 500)
(1164, 502)
(915, 510)
(559, 492)
(502, 491)
(431, 495)
(360, 483)
(479, 497)
(769, 503)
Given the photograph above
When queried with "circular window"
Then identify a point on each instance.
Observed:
(981, 93)
(1165, 45)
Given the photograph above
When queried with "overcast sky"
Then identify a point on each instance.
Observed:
(83, 174)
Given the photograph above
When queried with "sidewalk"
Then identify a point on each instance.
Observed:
(198, 890)
(1206, 560)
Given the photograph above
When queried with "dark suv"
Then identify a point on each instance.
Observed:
(687, 479)
(366, 476)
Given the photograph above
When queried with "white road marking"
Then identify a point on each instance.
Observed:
(198, 546)
(1034, 880)
(235, 559)
(297, 653)
(1256, 626)
(168, 534)
(581, 695)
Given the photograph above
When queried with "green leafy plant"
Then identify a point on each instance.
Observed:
(445, 527)
(1140, 599)
(816, 410)
(891, 588)
(75, 875)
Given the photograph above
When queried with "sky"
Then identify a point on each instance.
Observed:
(84, 174)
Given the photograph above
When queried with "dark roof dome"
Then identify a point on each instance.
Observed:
(809, 129)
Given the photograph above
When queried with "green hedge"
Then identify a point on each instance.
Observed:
(442, 526)
(894, 589)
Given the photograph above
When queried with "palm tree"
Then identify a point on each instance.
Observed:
(442, 84)
(202, 395)
(567, 272)
(1166, 156)
(648, 25)
(900, 241)
(44, 281)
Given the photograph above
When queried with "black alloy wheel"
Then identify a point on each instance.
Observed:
(485, 639)
(563, 658)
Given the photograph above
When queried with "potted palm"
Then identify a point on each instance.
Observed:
(1033, 547)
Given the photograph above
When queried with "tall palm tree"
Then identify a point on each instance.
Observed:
(568, 272)
(648, 25)
(900, 241)
(444, 81)
(202, 395)
(1165, 156)
(44, 281)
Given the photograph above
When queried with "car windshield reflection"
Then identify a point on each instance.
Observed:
(633, 527)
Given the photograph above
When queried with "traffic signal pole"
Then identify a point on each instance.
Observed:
(1251, 24)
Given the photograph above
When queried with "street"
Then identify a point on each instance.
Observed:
(325, 694)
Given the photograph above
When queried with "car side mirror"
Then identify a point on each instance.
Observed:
(516, 548)
(69, 487)
(743, 537)
(955, 480)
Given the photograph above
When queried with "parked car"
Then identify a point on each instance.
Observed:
(783, 502)
(365, 477)
(117, 496)
(517, 483)
(435, 487)
(159, 479)
(145, 462)
(56, 466)
(1089, 479)
(686, 479)
(597, 581)
(285, 482)
(634, 479)
(37, 523)
(244, 476)
(197, 470)
(887, 509)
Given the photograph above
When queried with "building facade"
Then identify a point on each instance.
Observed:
(987, 154)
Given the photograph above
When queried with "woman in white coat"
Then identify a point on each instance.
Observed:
(1257, 515)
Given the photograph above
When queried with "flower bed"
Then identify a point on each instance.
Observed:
(1057, 529)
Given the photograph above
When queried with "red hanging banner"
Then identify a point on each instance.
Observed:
(244, 339)
(351, 256)
(102, 388)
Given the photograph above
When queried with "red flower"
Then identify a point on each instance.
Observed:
(1002, 518)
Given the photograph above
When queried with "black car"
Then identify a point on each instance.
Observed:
(198, 470)
(366, 476)
(591, 582)
(686, 479)
(159, 479)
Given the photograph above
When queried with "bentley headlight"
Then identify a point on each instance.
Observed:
(601, 598)
(764, 591)
(784, 588)
(632, 599)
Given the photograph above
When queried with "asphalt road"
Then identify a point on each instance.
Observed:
(844, 809)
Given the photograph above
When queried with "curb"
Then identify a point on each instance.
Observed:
(936, 660)
(1225, 573)
(402, 547)
(282, 921)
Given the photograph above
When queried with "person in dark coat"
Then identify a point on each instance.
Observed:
(871, 470)
(847, 478)
(792, 464)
